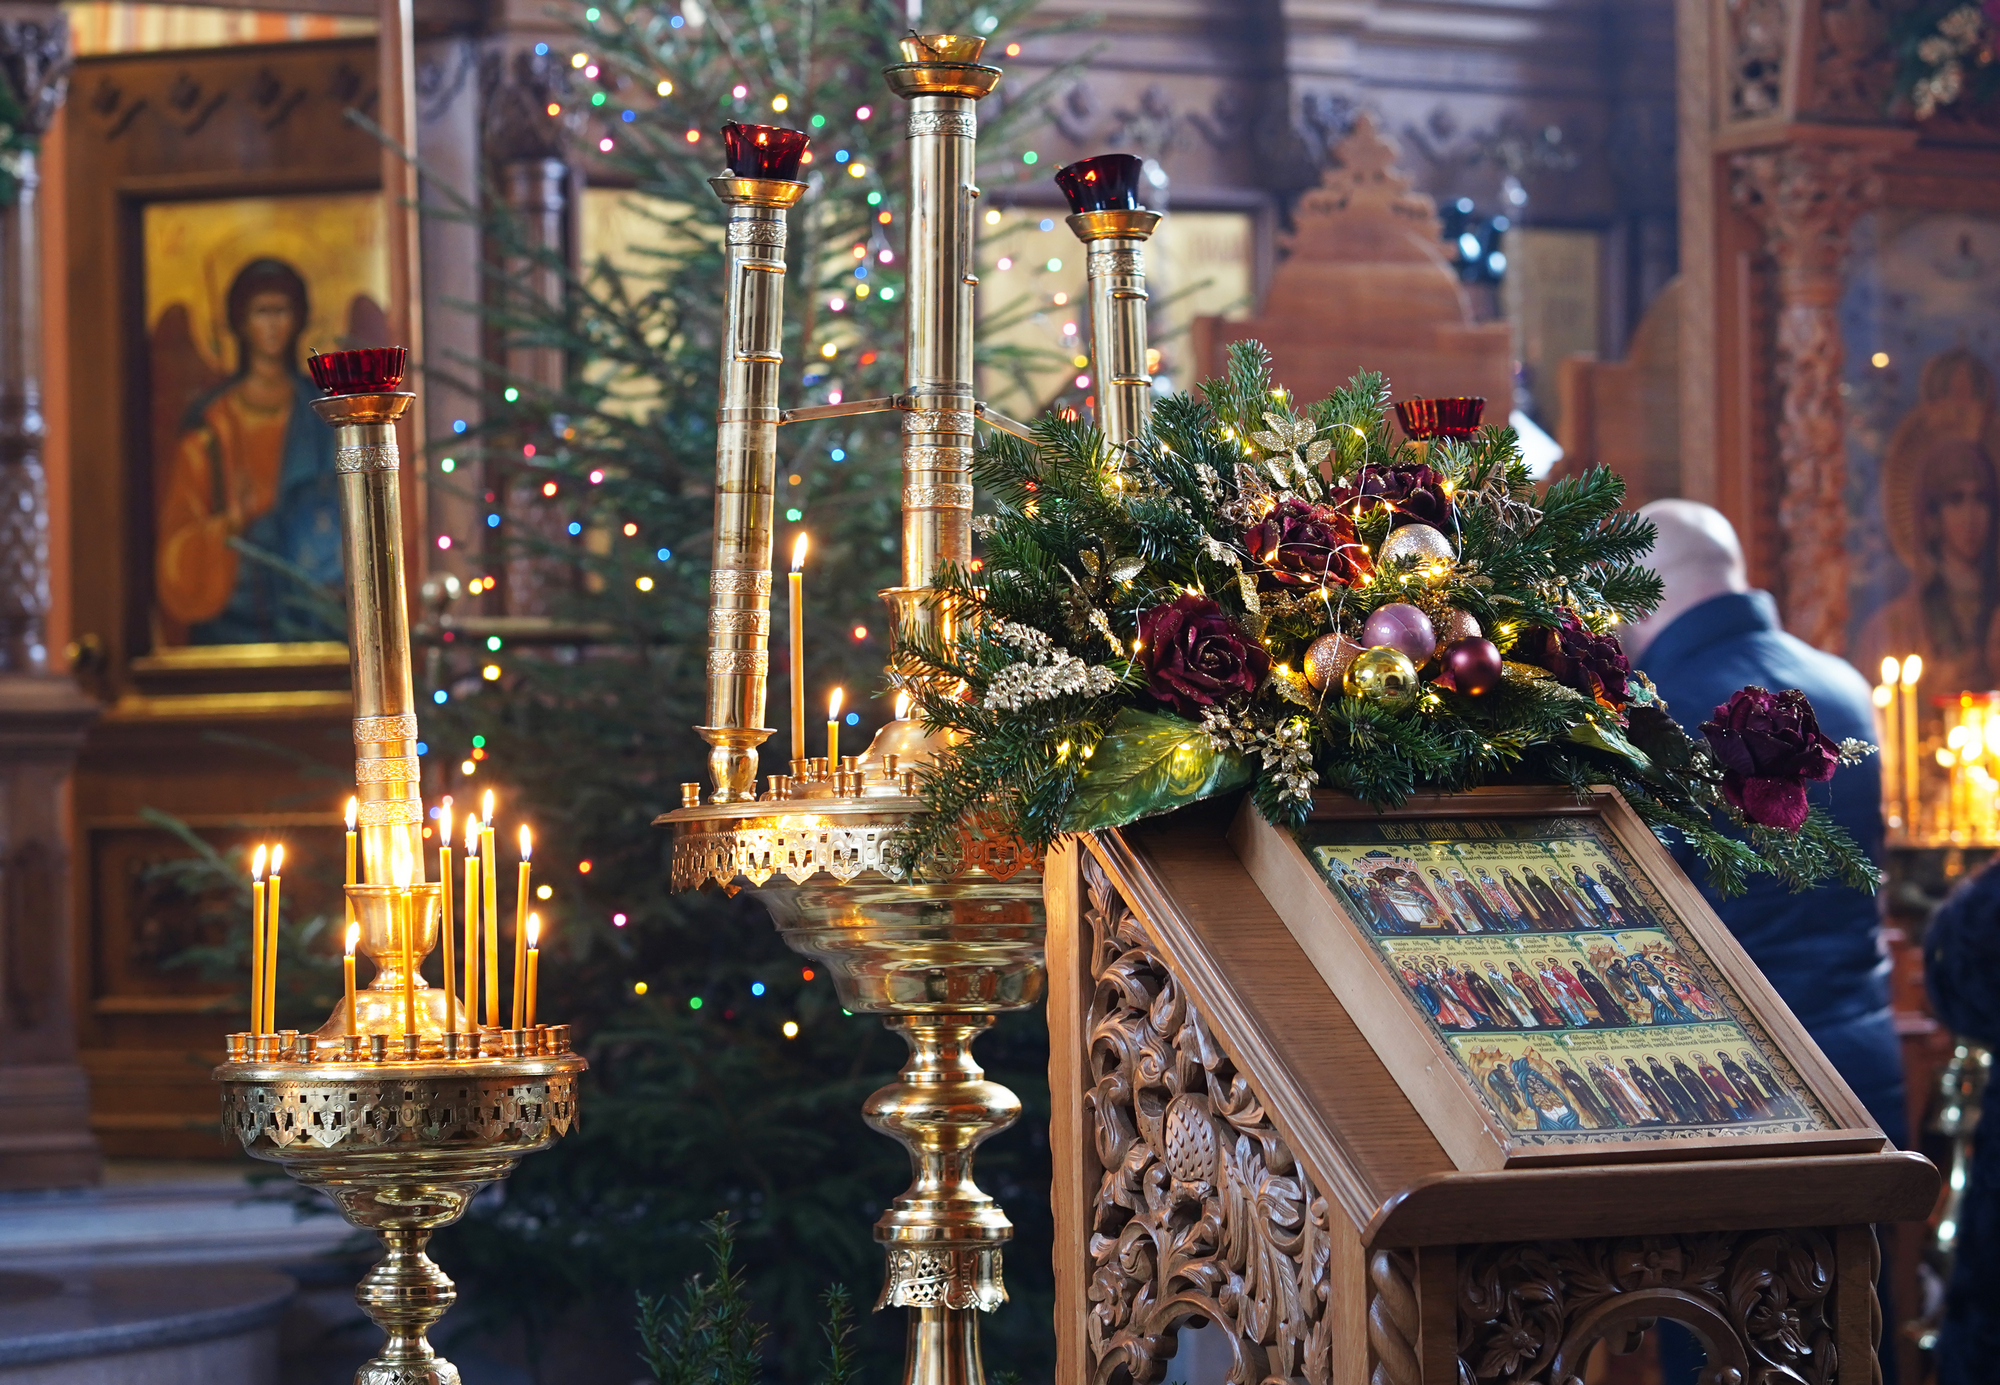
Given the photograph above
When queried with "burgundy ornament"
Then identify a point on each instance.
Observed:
(1769, 746)
(1471, 666)
(375, 370)
(1594, 665)
(763, 151)
(1195, 657)
(1402, 627)
(1440, 418)
(1107, 183)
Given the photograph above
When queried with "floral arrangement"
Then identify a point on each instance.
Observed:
(1253, 597)
(1945, 54)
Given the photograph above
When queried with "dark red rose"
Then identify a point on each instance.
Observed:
(1594, 665)
(1415, 494)
(1769, 746)
(1302, 544)
(1195, 656)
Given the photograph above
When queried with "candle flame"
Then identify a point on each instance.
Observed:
(257, 862)
(353, 811)
(277, 859)
(1892, 669)
(444, 818)
(833, 705)
(486, 807)
(399, 863)
(1913, 669)
(471, 835)
(799, 553)
(353, 937)
(534, 931)
(527, 841)
(1883, 694)
(902, 705)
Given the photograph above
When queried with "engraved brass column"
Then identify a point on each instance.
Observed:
(1107, 218)
(746, 474)
(1117, 269)
(941, 77)
(366, 461)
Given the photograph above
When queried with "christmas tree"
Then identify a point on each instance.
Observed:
(726, 1077)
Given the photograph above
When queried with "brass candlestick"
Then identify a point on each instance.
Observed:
(401, 1123)
(746, 474)
(1114, 236)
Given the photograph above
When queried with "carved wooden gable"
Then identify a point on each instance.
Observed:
(1366, 285)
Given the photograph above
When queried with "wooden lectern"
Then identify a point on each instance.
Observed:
(1445, 1095)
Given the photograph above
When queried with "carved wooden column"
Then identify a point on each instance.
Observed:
(1805, 197)
(45, 1138)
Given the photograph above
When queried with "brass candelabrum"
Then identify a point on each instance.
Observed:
(401, 1106)
(937, 958)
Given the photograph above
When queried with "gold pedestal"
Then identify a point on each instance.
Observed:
(939, 959)
(401, 1148)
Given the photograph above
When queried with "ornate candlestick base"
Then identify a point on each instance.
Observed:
(401, 1148)
(939, 959)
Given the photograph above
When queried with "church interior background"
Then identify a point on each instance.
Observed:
(1708, 244)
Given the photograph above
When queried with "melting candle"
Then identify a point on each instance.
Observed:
(353, 811)
(521, 917)
(471, 922)
(534, 935)
(444, 911)
(257, 939)
(489, 883)
(797, 589)
(271, 942)
(353, 941)
(833, 731)
(400, 868)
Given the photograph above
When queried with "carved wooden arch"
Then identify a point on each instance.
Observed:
(1203, 1214)
(1762, 1303)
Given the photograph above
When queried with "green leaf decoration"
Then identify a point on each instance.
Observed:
(1611, 741)
(1149, 764)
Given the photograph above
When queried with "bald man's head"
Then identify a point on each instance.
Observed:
(1697, 556)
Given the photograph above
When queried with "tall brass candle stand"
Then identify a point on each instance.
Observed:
(938, 958)
(400, 1128)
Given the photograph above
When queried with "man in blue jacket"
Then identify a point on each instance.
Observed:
(1822, 950)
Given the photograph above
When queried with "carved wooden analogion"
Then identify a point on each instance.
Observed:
(1231, 1150)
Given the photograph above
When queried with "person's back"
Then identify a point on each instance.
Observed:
(1821, 949)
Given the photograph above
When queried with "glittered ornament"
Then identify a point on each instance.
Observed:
(1401, 626)
(1327, 659)
(1457, 625)
(1418, 541)
(1383, 676)
(1472, 666)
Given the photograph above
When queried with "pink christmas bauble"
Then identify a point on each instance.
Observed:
(1401, 627)
(1327, 659)
(1458, 625)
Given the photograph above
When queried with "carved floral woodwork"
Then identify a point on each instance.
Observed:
(1762, 1301)
(1202, 1214)
(1805, 198)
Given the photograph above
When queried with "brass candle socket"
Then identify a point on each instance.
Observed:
(1115, 262)
(401, 1150)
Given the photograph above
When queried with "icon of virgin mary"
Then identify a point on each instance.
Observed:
(1941, 506)
(249, 519)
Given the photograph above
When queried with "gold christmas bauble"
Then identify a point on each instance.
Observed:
(1457, 625)
(1418, 541)
(1327, 659)
(1383, 676)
